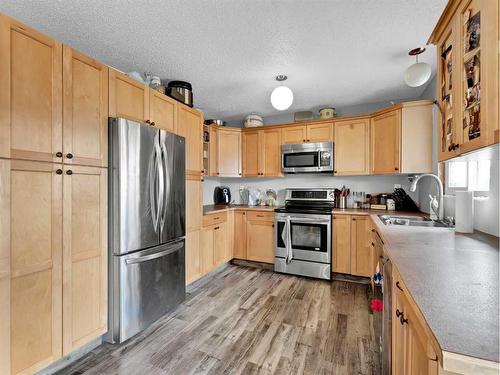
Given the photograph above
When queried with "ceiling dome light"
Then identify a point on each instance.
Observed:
(419, 73)
(282, 96)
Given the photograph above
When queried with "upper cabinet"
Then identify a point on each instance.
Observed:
(30, 93)
(127, 97)
(352, 147)
(467, 40)
(401, 139)
(318, 132)
(386, 145)
(162, 111)
(229, 152)
(85, 110)
(190, 126)
(262, 152)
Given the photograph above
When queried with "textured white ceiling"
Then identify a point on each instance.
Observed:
(337, 52)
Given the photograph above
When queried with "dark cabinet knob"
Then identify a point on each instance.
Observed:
(69, 172)
(216, 228)
(218, 173)
(153, 123)
(398, 313)
(403, 320)
(244, 213)
(398, 285)
(239, 173)
(450, 147)
(396, 168)
(307, 140)
(304, 140)
(456, 146)
(59, 171)
(148, 122)
(353, 219)
(59, 154)
(69, 156)
(273, 225)
(373, 244)
(334, 171)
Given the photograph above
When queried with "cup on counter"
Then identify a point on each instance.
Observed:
(342, 202)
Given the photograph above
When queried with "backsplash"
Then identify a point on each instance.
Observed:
(368, 184)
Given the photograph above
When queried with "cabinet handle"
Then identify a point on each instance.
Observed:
(335, 172)
(398, 313)
(69, 172)
(396, 168)
(353, 219)
(456, 146)
(216, 228)
(244, 213)
(403, 320)
(273, 225)
(148, 122)
(308, 140)
(258, 215)
(218, 173)
(202, 180)
(69, 156)
(373, 244)
(398, 285)
(373, 230)
(59, 154)
(450, 147)
(239, 173)
(304, 140)
(59, 171)
(153, 123)
(216, 218)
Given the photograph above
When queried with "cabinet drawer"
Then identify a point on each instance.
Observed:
(260, 215)
(215, 218)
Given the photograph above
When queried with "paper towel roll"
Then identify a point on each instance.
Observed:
(464, 212)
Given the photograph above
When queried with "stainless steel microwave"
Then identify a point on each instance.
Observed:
(307, 157)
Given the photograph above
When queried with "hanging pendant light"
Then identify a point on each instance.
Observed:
(282, 96)
(419, 73)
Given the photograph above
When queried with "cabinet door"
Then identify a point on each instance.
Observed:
(399, 333)
(251, 153)
(207, 249)
(220, 244)
(240, 235)
(270, 154)
(360, 246)
(128, 98)
(32, 210)
(293, 134)
(5, 266)
(260, 241)
(229, 237)
(341, 243)
(190, 126)
(162, 111)
(85, 110)
(212, 152)
(85, 271)
(30, 93)
(193, 256)
(194, 199)
(386, 142)
(352, 147)
(229, 153)
(320, 132)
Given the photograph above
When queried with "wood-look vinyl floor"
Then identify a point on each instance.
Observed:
(251, 321)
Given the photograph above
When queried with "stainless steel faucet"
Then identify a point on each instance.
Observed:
(439, 211)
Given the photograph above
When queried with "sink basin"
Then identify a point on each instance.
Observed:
(411, 221)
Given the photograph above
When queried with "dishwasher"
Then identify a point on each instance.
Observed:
(383, 326)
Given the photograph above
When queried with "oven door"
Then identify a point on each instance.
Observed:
(303, 237)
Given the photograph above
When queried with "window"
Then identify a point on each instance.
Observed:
(472, 175)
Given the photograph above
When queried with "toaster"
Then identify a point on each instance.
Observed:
(222, 195)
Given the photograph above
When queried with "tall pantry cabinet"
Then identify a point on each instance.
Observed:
(53, 199)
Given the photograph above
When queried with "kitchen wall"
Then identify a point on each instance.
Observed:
(368, 184)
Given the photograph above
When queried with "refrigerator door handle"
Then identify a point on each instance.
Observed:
(152, 191)
(176, 247)
(166, 173)
(161, 181)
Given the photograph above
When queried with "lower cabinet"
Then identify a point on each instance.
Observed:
(352, 253)
(193, 256)
(53, 254)
(213, 246)
(412, 349)
(240, 235)
(260, 236)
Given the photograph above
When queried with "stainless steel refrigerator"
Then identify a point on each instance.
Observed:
(146, 226)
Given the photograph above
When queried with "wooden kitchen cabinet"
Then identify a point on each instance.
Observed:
(194, 203)
(212, 152)
(190, 126)
(193, 256)
(386, 142)
(229, 155)
(262, 153)
(220, 244)
(162, 111)
(293, 134)
(30, 93)
(341, 243)
(128, 98)
(85, 266)
(464, 123)
(240, 235)
(260, 237)
(322, 132)
(352, 147)
(30, 265)
(85, 110)
(213, 247)
(361, 250)
(413, 350)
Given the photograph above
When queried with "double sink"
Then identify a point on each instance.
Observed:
(411, 221)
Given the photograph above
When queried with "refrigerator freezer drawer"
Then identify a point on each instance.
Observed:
(147, 285)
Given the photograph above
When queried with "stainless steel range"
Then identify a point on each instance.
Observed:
(303, 233)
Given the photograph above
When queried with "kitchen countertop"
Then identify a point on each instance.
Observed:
(212, 208)
(454, 280)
